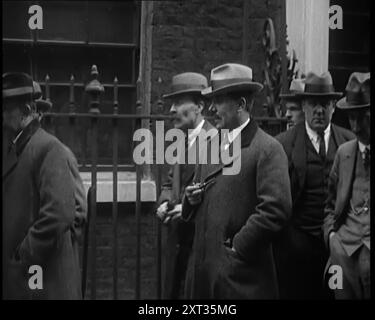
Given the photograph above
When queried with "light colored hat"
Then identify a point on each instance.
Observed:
(231, 77)
(358, 92)
(319, 86)
(188, 82)
(297, 85)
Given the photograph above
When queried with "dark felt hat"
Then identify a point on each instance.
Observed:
(17, 84)
(358, 92)
(319, 86)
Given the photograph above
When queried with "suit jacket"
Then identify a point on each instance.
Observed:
(294, 144)
(340, 185)
(44, 210)
(180, 233)
(243, 211)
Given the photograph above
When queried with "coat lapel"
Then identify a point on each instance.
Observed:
(298, 157)
(11, 159)
(247, 135)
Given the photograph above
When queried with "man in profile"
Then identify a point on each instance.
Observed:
(44, 203)
(186, 109)
(237, 215)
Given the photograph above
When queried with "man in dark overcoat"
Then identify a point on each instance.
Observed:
(44, 203)
(187, 107)
(347, 230)
(238, 213)
(311, 147)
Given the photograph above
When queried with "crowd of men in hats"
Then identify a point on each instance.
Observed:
(300, 203)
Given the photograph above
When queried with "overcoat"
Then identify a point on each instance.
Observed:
(179, 237)
(340, 186)
(242, 211)
(44, 211)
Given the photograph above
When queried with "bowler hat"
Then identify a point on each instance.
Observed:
(319, 86)
(187, 82)
(357, 92)
(231, 77)
(17, 84)
(41, 104)
(297, 85)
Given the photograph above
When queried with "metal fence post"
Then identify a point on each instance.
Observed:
(94, 89)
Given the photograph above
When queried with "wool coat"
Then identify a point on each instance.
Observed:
(44, 211)
(242, 211)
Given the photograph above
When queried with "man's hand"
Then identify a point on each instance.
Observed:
(162, 211)
(165, 216)
(193, 194)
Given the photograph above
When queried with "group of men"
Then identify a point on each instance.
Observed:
(300, 203)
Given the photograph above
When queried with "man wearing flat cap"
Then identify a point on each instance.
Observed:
(237, 215)
(186, 109)
(44, 205)
(294, 113)
(311, 147)
(347, 222)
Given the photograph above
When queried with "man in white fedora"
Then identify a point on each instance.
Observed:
(294, 113)
(237, 216)
(347, 223)
(311, 146)
(187, 106)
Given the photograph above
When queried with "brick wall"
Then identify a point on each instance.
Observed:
(200, 35)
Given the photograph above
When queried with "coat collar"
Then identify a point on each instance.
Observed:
(247, 136)
(11, 158)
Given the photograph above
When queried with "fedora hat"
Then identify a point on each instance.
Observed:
(357, 92)
(187, 82)
(41, 104)
(297, 85)
(319, 86)
(231, 77)
(17, 84)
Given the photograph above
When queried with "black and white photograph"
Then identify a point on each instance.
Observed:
(187, 154)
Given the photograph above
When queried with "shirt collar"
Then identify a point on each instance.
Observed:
(313, 135)
(195, 132)
(362, 146)
(235, 132)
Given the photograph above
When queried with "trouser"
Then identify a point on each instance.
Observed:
(355, 270)
(300, 260)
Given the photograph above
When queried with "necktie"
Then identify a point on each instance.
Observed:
(322, 146)
(366, 157)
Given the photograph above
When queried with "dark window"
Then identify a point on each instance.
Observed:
(75, 36)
